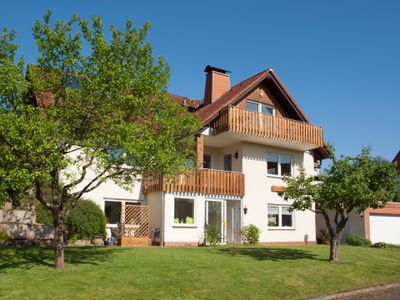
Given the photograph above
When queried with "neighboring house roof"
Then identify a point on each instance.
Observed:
(396, 160)
(185, 101)
(46, 99)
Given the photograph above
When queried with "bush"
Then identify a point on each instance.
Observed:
(358, 241)
(380, 245)
(213, 236)
(3, 236)
(86, 221)
(397, 197)
(251, 234)
(384, 245)
(43, 215)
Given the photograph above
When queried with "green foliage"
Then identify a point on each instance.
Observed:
(251, 234)
(348, 184)
(358, 241)
(43, 215)
(384, 245)
(86, 221)
(351, 183)
(213, 236)
(397, 197)
(89, 102)
(3, 236)
(325, 234)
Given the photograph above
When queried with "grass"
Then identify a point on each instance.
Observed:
(271, 272)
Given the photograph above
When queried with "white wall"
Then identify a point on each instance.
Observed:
(107, 190)
(258, 194)
(182, 232)
(355, 225)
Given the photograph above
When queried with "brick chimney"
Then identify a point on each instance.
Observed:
(217, 83)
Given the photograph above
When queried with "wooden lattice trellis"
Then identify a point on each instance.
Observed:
(135, 221)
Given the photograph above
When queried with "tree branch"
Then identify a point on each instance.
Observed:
(39, 195)
(81, 178)
(88, 187)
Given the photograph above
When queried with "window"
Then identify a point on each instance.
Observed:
(207, 161)
(228, 162)
(251, 106)
(280, 216)
(280, 165)
(260, 108)
(273, 216)
(112, 211)
(72, 82)
(272, 164)
(286, 165)
(286, 217)
(184, 211)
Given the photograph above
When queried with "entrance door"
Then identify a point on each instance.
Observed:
(215, 217)
(233, 221)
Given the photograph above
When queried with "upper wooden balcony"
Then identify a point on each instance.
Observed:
(282, 130)
(203, 181)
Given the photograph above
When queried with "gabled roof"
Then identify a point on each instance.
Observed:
(242, 89)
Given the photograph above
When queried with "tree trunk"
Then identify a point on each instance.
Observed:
(334, 248)
(59, 241)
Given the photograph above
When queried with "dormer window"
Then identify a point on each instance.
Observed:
(260, 108)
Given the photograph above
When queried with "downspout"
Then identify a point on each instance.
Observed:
(162, 218)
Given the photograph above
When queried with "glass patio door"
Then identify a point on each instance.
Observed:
(215, 217)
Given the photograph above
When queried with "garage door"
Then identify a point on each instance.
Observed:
(385, 228)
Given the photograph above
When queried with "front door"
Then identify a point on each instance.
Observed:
(233, 221)
(215, 217)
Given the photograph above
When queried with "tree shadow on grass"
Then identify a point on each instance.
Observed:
(29, 257)
(270, 253)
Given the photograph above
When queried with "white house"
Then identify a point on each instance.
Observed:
(253, 134)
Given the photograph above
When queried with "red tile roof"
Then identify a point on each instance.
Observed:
(207, 112)
(185, 101)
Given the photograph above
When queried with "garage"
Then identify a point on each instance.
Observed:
(385, 228)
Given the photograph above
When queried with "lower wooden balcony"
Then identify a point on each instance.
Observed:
(283, 131)
(202, 181)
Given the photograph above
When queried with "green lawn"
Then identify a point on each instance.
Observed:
(223, 272)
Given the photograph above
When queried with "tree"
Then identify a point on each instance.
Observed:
(348, 184)
(101, 108)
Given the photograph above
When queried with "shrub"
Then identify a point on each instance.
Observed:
(86, 221)
(3, 236)
(380, 245)
(43, 215)
(384, 245)
(397, 197)
(251, 234)
(213, 236)
(358, 241)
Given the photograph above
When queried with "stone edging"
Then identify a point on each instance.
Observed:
(360, 292)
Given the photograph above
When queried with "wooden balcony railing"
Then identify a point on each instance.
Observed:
(204, 181)
(247, 122)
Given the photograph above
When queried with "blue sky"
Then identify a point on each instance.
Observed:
(339, 59)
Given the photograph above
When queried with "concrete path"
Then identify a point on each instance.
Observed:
(382, 292)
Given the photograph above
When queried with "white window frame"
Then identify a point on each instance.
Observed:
(259, 106)
(279, 175)
(183, 225)
(280, 227)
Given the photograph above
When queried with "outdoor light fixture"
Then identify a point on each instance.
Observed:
(236, 155)
(245, 210)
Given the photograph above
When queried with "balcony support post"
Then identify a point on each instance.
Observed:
(200, 150)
